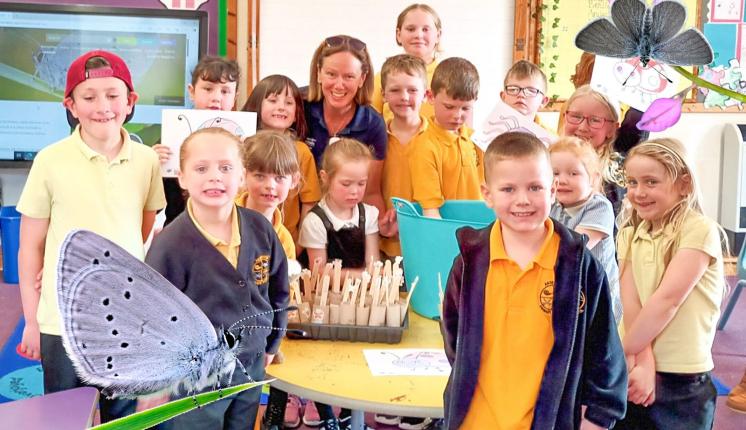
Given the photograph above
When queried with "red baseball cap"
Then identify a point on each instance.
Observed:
(77, 72)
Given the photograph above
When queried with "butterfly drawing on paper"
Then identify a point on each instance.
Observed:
(129, 331)
(636, 30)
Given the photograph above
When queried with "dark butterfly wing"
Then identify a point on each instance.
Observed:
(688, 48)
(667, 19)
(125, 327)
(628, 17)
(602, 38)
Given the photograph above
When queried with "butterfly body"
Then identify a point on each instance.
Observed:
(128, 330)
(636, 30)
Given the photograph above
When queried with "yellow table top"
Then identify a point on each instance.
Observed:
(335, 372)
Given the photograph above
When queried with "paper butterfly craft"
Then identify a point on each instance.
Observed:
(130, 331)
(640, 31)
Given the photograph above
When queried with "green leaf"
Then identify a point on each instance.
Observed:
(709, 85)
(159, 414)
(555, 57)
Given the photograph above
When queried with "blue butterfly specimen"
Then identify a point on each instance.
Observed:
(130, 331)
(636, 30)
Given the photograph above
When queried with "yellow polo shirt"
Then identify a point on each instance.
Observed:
(426, 109)
(286, 240)
(228, 249)
(518, 336)
(396, 180)
(309, 192)
(75, 187)
(685, 345)
(448, 166)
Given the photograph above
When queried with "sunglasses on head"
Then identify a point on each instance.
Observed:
(335, 41)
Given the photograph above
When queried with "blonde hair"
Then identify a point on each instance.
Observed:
(425, 8)
(671, 154)
(270, 151)
(345, 150)
(513, 145)
(523, 69)
(365, 92)
(184, 150)
(605, 151)
(458, 77)
(403, 63)
(584, 152)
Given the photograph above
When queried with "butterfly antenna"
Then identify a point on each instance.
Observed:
(662, 75)
(632, 72)
(243, 369)
(271, 311)
(294, 331)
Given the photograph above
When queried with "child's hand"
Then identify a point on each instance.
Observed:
(641, 389)
(268, 359)
(585, 424)
(387, 225)
(163, 151)
(30, 341)
(149, 402)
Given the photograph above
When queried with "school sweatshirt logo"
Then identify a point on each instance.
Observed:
(261, 270)
(546, 297)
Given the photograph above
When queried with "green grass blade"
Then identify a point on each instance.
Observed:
(709, 85)
(165, 412)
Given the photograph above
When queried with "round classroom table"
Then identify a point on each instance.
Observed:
(336, 373)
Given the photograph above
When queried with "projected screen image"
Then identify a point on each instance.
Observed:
(36, 48)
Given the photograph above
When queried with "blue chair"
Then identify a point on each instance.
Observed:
(733, 299)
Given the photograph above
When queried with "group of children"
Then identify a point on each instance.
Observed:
(532, 303)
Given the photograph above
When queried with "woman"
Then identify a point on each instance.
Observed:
(339, 94)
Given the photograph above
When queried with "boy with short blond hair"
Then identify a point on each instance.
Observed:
(404, 82)
(95, 179)
(524, 88)
(444, 159)
(560, 353)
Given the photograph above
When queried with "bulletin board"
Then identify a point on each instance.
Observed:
(545, 32)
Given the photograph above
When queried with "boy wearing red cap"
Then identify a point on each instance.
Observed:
(95, 179)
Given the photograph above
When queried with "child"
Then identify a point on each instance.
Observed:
(672, 283)
(341, 226)
(445, 161)
(527, 307)
(214, 86)
(581, 207)
(418, 30)
(594, 117)
(525, 88)
(228, 260)
(404, 79)
(95, 179)
(279, 104)
(271, 165)
(272, 170)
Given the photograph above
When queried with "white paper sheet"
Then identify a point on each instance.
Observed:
(504, 119)
(177, 124)
(407, 362)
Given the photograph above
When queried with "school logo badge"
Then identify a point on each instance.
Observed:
(581, 305)
(261, 270)
(546, 297)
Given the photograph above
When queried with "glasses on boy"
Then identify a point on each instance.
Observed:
(576, 118)
(514, 90)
